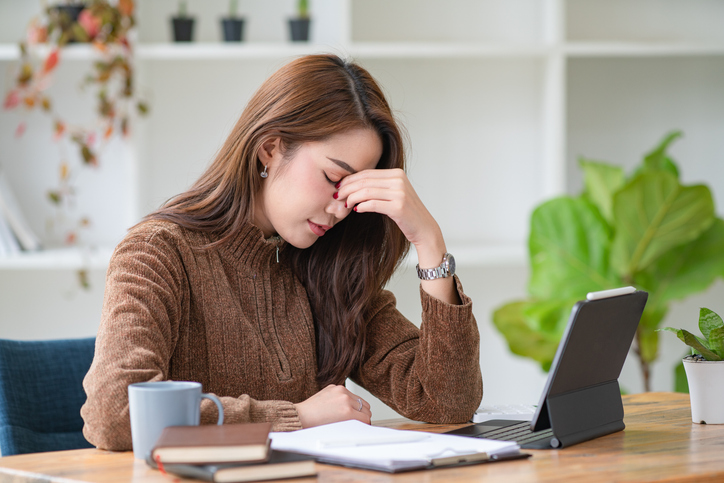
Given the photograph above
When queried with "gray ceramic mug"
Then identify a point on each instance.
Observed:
(156, 405)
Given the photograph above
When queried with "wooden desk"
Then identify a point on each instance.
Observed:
(660, 443)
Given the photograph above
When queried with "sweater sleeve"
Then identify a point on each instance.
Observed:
(429, 374)
(146, 297)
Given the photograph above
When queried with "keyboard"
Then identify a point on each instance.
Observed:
(520, 433)
(521, 412)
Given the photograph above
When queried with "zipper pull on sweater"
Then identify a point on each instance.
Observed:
(277, 240)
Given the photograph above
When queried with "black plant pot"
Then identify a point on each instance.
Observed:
(233, 29)
(68, 16)
(183, 29)
(72, 11)
(299, 29)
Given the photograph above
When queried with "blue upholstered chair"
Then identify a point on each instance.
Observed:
(41, 394)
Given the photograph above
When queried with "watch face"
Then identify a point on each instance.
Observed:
(450, 264)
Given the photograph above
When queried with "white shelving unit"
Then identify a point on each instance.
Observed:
(483, 87)
(500, 98)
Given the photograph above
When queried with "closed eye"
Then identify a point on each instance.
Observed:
(329, 180)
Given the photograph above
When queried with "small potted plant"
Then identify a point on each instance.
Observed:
(66, 16)
(183, 25)
(299, 26)
(705, 368)
(233, 25)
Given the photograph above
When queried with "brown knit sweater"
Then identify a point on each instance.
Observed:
(239, 323)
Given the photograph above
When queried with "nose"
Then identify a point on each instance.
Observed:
(337, 209)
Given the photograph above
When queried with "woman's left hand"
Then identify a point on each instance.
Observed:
(389, 192)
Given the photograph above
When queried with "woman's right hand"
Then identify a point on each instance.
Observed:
(333, 404)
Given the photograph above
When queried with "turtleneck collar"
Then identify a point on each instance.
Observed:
(252, 249)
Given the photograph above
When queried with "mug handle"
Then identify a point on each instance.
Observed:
(218, 405)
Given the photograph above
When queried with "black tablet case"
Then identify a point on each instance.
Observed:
(582, 399)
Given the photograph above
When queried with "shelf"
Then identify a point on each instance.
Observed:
(444, 50)
(69, 52)
(641, 49)
(98, 258)
(9, 52)
(384, 50)
(470, 255)
(358, 50)
(220, 51)
(59, 259)
(421, 50)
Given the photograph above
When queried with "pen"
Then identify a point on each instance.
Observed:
(341, 443)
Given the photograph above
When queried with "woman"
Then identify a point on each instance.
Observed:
(264, 281)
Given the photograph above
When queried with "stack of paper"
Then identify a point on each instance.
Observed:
(355, 444)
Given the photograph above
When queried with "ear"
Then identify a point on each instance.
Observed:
(270, 151)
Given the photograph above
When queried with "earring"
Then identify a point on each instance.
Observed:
(264, 174)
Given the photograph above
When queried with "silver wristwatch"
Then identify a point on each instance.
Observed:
(446, 269)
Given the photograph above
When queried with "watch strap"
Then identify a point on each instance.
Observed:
(443, 270)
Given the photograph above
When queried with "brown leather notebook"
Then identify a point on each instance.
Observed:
(280, 465)
(208, 444)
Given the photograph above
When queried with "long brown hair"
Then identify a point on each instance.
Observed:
(309, 99)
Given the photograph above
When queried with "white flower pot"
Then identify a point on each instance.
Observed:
(706, 390)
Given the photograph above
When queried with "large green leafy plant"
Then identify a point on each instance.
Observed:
(646, 229)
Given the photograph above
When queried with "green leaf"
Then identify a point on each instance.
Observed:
(654, 213)
(88, 156)
(648, 343)
(647, 335)
(602, 181)
(303, 8)
(522, 340)
(681, 384)
(55, 197)
(658, 160)
(79, 33)
(142, 108)
(708, 321)
(716, 341)
(549, 316)
(687, 269)
(685, 336)
(694, 342)
(654, 313)
(569, 250)
(703, 342)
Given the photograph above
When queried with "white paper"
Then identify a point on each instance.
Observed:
(383, 448)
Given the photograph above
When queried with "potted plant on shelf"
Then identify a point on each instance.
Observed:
(299, 25)
(705, 368)
(233, 25)
(106, 27)
(646, 229)
(66, 15)
(183, 24)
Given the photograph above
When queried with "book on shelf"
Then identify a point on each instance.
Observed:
(211, 444)
(8, 244)
(10, 210)
(280, 465)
